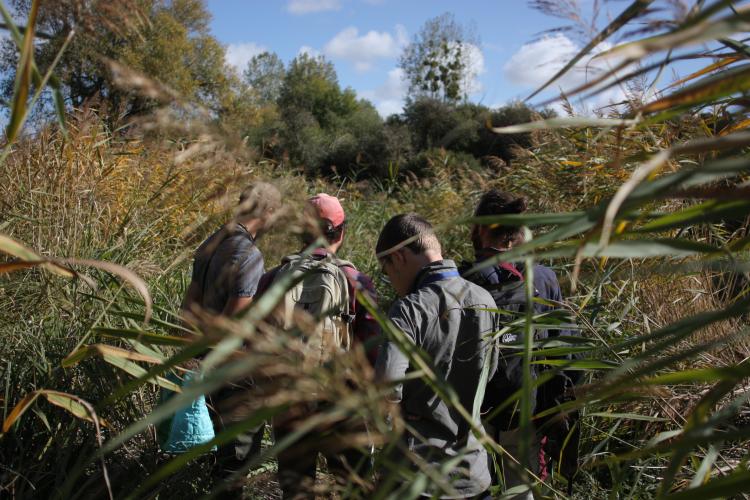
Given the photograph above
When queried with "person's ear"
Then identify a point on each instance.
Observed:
(398, 257)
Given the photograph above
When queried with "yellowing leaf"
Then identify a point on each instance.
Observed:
(718, 64)
(17, 266)
(106, 350)
(73, 404)
(19, 410)
(712, 87)
(735, 127)
(12, 247)
(23, 77)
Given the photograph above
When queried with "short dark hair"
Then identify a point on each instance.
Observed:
(406, 231)
(496, 202)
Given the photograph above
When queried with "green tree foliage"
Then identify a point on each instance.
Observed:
(466, 127)
(398, 144)
(265, 74)
(166, 40)
(357, 145)
(436, 63)
(311, 85)
(325, 126)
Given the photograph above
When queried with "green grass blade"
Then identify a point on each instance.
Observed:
(635, 9)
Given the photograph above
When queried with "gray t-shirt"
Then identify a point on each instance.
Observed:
(227, 265)
(444, 317)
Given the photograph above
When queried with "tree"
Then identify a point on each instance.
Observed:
(265, 74)
(357, 143)
(166, 40)
(437, 63)
(467, 127)
(325, 126)
(311, 85)
(504, 145)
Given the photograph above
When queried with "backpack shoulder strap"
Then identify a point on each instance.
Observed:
(291, 258)
(479, 277)
(348, 314)
(344, 264)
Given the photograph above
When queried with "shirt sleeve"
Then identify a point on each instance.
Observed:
(391, 363)
(249, 272)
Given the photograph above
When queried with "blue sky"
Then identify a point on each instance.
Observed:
(363, 38)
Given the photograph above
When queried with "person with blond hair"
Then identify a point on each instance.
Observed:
(228, 265)
(226, 270)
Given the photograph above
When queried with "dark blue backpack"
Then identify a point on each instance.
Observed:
(506, 284)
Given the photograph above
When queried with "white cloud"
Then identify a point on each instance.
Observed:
(300, 7)
(310, 51)
(364, 50)
(536, 62)
(239, 54)
(474, 68)
(388, 98)
(402, 36)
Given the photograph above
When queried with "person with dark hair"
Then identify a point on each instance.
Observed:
(226, 272)
(495, 202)
(320, 273)
(449, 319)
(505, 281)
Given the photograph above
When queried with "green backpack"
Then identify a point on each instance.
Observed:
(317, 304)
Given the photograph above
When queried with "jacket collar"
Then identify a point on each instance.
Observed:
(241, 229)
(434, 268)
(511, 269)
(487, 252)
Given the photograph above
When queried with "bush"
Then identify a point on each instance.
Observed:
(467, 127)
(357, 144)
(441, 163)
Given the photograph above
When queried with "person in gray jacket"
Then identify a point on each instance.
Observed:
(446, 317)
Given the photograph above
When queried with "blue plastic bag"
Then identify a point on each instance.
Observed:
(190, 426)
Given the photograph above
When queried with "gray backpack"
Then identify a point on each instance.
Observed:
(317, 304)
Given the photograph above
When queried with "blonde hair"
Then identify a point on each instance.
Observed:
(258, 201)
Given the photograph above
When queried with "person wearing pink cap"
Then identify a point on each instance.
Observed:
(297, 470)
(328, 208)
(329, 212)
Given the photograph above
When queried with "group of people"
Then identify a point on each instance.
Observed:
(459, 316)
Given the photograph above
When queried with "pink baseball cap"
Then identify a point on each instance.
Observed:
(328, 207)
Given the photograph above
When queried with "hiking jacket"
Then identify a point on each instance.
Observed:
(364, 327)
(505, 282)
(446, 317)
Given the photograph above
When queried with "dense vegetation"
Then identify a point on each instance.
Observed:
(644, 215)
